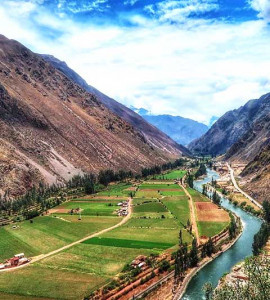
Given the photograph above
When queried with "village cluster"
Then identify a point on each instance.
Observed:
(123, 211)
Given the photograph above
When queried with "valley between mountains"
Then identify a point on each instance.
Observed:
(97, 203)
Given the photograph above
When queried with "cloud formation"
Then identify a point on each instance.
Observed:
(195, 68)
(263, 7)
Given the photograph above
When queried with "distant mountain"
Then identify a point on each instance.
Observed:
(152, 135)
(231, 127)
(180, 129)
(52, 128)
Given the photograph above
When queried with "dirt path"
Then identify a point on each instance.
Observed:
(241, 191)
(42, 256)
(192, 214)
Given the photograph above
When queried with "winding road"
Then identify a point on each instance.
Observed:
(238, 188)
(42, 256)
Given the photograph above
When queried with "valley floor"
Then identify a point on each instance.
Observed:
(160, 209)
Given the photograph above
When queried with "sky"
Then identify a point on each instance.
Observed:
(193, 58)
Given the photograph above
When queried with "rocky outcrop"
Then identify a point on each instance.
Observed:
(231, 127)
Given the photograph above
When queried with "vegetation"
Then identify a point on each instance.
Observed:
(257, 270)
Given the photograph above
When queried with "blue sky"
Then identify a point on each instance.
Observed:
(195, 58)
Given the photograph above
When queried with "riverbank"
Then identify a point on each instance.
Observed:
(182, 289)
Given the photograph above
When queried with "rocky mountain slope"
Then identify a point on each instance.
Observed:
(52, 128)
(180, 129)
(231, 127)
(153, 136)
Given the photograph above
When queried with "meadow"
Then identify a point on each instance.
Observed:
(211, 228)
(160, 210)
(175, 174)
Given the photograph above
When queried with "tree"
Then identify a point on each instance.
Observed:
(266, 211)
(257, 270)
(193, 255)
(216, 198)
(190, 180)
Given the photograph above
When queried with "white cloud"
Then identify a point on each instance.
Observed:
(195, 70)
(263, 7)
(178, 11)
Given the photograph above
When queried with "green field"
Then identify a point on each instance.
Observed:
(150, 207)
(91, 208)
(124, 243)
(197, 196)
(176, 174)
(178, 207)
(119, 189)
(159, 186)
(211, 228)
(75, 272)
(48, 233)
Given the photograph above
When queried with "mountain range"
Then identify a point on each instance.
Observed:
(243, 135)
(182, 130)
(53, 127)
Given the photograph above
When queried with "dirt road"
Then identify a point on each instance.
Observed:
(42, 256)
(192, 214)
(239, 190)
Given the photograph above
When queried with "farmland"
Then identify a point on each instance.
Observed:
(160, 210)
(175, 174)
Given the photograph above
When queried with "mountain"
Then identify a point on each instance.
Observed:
(231, 127)
(153, 136)
(180, 129)
(52, 128)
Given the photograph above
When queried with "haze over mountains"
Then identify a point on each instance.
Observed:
(52, 128)
(243, 135)
(182, 130)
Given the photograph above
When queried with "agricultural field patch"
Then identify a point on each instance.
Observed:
(175, 174)
(159, 186)
(120, 189)
(197, 196)
(48, 233)
(91, 208)
(209, 229)
(173, 193)
(45, 282)
(137, 201)
(148, 194)
(179, 208)
(156, 207)
(208, 211)
(126, 243)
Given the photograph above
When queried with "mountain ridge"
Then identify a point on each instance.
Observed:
(52, 128)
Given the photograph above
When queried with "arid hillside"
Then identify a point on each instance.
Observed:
(52, 128)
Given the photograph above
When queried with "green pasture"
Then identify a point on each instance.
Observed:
(197, 196)
(211, 228)
(119, 189)
(178, 207)
(92, 208)
(126, 243)
(48, 233)
(175, 174)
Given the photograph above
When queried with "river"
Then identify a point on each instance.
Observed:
(223, 263)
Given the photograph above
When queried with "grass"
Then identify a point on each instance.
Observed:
(48, 233)
(176, 174)
(173, 193)
(92, 208)
(116, 190)
(150, 207)
(210, 228)
(178, 207)
(125, 243)
(46, 282)
(197, 196)
(148, 194)
(159, 186)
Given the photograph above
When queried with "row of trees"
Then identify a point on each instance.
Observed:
(262, 236)
(158, 169)
(201, 171)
